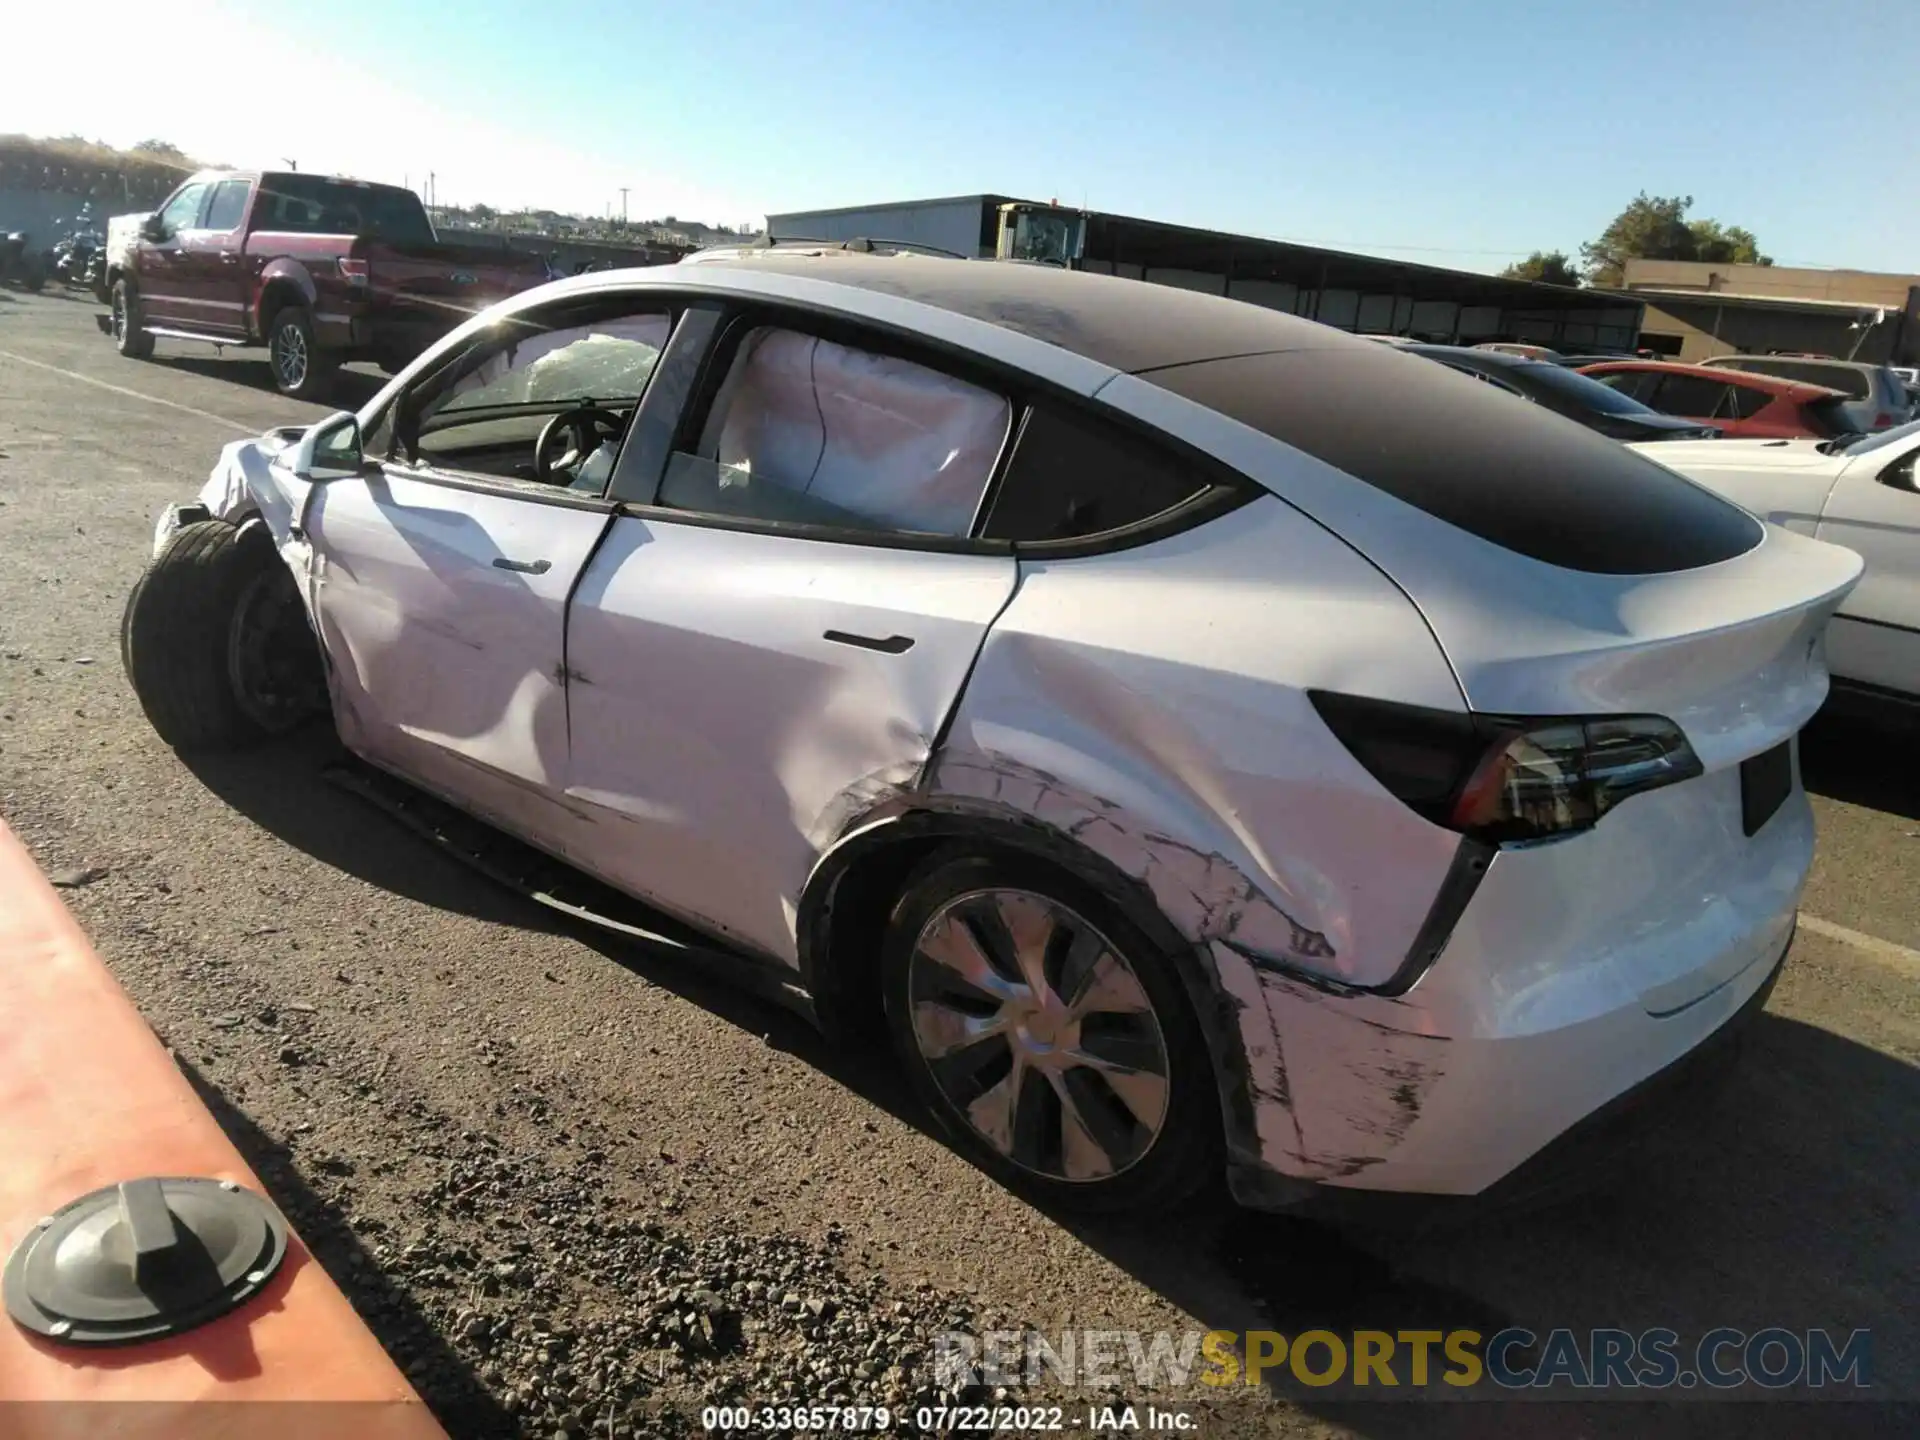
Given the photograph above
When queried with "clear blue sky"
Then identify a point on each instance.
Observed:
(1462, 137)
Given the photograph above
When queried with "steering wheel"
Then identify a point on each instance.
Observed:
(584, 429)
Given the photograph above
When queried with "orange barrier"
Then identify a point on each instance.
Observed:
(89, 1098)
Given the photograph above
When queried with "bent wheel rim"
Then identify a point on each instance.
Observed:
(1038, 1035)
(269, 654)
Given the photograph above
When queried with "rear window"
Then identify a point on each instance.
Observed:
(1575, 389)
(1849, 380)
(318, 205)
(1514, 474)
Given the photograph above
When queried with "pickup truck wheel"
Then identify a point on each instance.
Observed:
(300, 367)
(128, 338)
(216, 643)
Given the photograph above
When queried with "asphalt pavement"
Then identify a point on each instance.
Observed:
(547, 1166)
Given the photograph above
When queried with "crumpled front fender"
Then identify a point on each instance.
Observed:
(246, 482)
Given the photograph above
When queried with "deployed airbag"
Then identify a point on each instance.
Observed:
(890, 441)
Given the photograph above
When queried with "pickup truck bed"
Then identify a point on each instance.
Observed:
(318, 270)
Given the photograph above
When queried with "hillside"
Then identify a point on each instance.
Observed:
(111, 179)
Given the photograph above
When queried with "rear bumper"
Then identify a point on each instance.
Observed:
(1581, 1155)
(1579, 970)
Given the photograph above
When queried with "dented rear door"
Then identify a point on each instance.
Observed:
(736, 698)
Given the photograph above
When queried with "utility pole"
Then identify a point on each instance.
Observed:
(431, 194)
(623, 207)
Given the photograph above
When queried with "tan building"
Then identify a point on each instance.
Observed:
(1696, 309)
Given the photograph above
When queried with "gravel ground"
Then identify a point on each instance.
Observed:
(576, 1187)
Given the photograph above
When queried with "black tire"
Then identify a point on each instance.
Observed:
(1186, 1152)
(128, 338)
(178, 639)
(290, 334)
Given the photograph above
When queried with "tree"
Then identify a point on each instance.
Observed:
(1726, 245)
(1656, 228)
(1549, 267)
(163, 149)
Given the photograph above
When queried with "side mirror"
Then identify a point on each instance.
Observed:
(153, 228)
(329, 450)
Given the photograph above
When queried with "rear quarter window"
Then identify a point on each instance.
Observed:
(1516, 475)
(1071, 476)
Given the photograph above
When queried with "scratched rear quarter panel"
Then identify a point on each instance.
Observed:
(1153, 703)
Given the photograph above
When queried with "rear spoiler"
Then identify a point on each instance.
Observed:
(1829, 408)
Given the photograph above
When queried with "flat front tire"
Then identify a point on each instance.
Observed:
(215, 640)
(1048, 1036)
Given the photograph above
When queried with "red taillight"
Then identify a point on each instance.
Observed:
(355, 272)
(1504, 778)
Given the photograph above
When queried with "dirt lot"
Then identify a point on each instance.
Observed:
(576, 1187)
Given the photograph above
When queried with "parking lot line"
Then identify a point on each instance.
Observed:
(1899, 956)
(244, 429)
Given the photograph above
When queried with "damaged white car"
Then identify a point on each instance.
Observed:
(1189, 760)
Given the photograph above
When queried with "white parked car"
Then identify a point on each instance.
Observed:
(1188, 757)
(1860, 491)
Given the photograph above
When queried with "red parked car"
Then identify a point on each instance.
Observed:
(1742, 405)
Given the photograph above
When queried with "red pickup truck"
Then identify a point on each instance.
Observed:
(319, 270)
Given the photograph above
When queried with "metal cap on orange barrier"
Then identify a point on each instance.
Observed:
(142, 1260)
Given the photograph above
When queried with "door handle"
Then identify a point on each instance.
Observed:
(891, 645)
(525, 567)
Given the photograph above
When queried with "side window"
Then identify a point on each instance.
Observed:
(1638, 384)
(1743, 402)
(808, 431)
(229, 204)
(182, 212)
(1691, 395)
(1072, 476)
(547, 399)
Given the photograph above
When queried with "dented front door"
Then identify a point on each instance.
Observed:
(442, 609)
(737, 698)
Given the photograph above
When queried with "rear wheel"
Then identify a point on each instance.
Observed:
(1048, 1036)
(216, 643)
(128, 338)
(300, 367)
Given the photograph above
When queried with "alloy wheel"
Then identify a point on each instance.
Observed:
(290, 356)
(1039, 1035)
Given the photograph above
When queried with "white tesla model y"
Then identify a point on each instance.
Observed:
(1199, 736)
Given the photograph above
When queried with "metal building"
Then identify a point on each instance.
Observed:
(1353, 292)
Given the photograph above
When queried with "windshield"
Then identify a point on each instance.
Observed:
(607, 362)
(319, 205)
(1867, 444)
(1581, 390)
